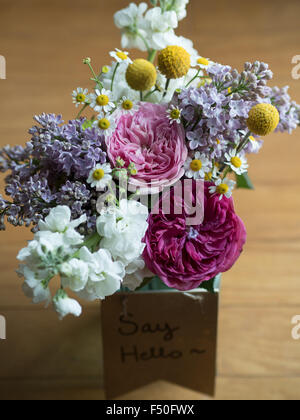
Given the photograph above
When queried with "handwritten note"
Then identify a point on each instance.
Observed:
(159, 336)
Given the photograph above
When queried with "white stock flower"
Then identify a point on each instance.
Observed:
(33, 286)
(122, 229)
(136, 272)
(104, 276)
(131, 22)
(59, 220)
(160, 27)
(179, 6)
(74, 274)
(64, 306)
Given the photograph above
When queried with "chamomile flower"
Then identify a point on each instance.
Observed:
(237, 162)
(120, 56)
(80, 96)
(201, 62)
(127, 106)
(213, 173)
(223, 187)
(100, 176)
(197, 168)
(174, 114)
(101, 101)
(106, 124)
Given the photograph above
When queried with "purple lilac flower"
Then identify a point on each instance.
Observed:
(51, 169)
(215, 115)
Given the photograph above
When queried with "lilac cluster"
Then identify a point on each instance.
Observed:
(51, 169)
(289, 111)
(215, 115)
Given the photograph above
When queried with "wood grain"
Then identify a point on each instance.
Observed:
(43, 43)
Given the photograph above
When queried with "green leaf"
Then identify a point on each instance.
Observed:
(244, 181)
(209, 285)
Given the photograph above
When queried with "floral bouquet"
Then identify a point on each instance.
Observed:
(137, 189)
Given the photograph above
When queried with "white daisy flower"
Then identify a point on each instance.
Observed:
(174, 114)
(100, 176)
(100, 100)
(197, 168)
(213, 173)
(127, 106)
(80, 96)
(201, 62)
(237, 162)
(120, 56)
(223, 187)
(106, 124)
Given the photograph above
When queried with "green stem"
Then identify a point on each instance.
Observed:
(226, 172)
(81, 111)
(167, 87)
(152, 55)
(145, 42)
(151, 93)
(113, 78)
(96, 78)
(194, 78)
(91, 242)
(244, 142)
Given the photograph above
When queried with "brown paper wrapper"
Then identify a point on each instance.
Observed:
(164, 335)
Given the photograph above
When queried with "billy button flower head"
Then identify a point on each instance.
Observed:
(174, 114)
(106, 124)
(100, 101)
(174, 62)
(100, 176)
(80, 96)
(236, 162)
(141, 75)
(120, 56)
(223, 187)
(197, 168)
(263, 119)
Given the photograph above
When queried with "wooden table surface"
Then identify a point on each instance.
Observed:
(42, 358)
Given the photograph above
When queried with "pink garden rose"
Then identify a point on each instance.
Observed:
(184, 256)
(156, 147)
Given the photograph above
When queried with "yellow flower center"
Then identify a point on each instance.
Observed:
(98, 174)
(102, 100)
(122, 55)
(229, 90)
(252, 138)
(127, 105)
(236, 162)
(222, 189)
(105, 69)
(218, 141)
(80, 98)
(208, 176)
(196, 165)
(175, 114)
(203, 61)
(104, 124)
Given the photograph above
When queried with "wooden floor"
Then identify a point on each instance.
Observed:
(44, 43)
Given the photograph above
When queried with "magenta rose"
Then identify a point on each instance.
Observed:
(155, 146)
(184, 256)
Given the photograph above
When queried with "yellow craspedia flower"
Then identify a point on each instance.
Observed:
(141, 75)
(263, 119)
(174, 62)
